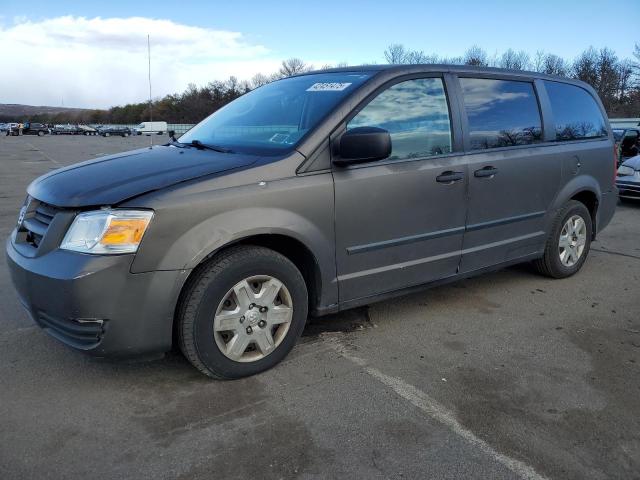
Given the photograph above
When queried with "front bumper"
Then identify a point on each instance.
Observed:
(94, 303)
(628, 188)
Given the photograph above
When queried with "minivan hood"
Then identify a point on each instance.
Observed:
(112, 179)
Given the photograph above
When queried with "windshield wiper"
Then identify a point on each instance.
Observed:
(200, 146)
(176, 143)
(203, 146)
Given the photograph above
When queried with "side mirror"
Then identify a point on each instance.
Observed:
(363, 144)
(172, 135)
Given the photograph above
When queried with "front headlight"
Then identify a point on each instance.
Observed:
(624, 170)
(107, 231)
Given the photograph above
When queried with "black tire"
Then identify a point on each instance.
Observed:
(550, 264)
(40, 133)
(206, 289)
(107, 134)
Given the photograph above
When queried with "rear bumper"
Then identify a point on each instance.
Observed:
(94, 303)
(606, 209)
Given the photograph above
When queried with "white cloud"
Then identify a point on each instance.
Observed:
(100, 62)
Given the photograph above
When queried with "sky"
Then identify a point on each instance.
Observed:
(94, 54)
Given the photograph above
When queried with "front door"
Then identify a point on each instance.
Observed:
(400, 221)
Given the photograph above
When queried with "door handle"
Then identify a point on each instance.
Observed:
(487, 171)
(449, 177)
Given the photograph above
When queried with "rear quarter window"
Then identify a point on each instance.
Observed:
(575, 112)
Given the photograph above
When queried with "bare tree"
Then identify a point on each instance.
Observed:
(395, 54)
(258, 80)
(293, 66)
(585, 66)
(608, 77)
(398, 54)
(451, 60)
(636, 54)
(625, 77)
(538, 61)
(554, 65)
(476, 56)
(514, 60)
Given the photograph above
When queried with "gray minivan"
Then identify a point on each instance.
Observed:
(311, 195)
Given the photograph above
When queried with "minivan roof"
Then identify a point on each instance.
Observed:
(444, 68)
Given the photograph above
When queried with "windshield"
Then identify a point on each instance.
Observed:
(273, 118)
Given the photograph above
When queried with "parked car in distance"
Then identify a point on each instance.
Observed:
(314, 194)
(87, 130)
(30, 128)
(628, 179)
(65, 130)
(628, 143)
(149, 128)
(116, 130)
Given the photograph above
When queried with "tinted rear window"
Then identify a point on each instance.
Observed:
(501, 113)
(575, 112)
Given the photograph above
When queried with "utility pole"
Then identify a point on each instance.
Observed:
(150, 102)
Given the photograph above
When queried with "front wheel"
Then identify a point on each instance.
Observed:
(242, 312)
(568, 243)
(40, 133)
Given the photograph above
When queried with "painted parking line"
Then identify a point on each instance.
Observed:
(435, 410)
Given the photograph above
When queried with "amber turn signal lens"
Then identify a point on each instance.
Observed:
(125, 231)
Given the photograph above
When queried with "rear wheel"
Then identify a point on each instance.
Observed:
(568, 243)
(107, 134)
(40, 133)
(242, 312)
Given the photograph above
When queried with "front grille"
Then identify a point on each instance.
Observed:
(83, 334)
(628, 189)
(37, 223)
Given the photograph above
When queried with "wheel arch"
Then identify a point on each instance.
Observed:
(590, 200)
(584, 189)
(288, 246)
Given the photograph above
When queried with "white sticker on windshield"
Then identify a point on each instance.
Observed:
(328, 87)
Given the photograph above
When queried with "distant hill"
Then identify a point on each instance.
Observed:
(17, 112)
